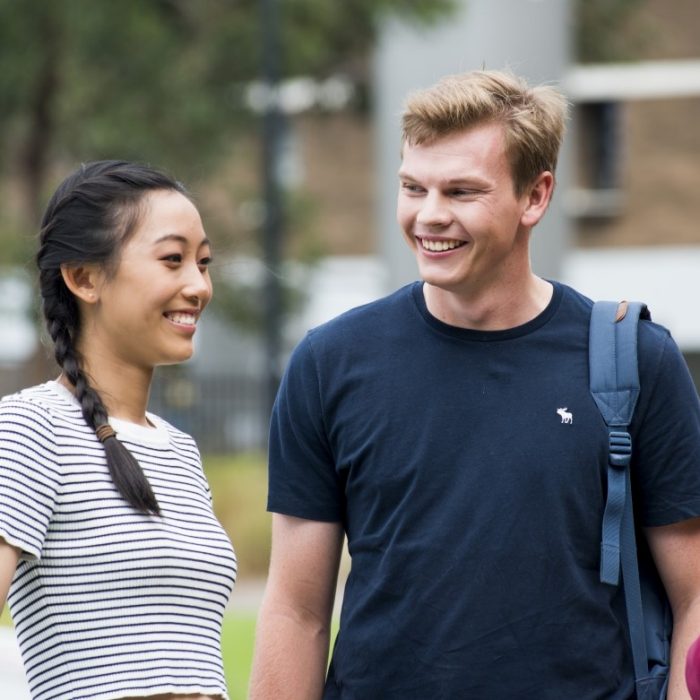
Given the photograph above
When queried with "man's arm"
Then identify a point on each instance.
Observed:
(9, 556)
(293, 631)
(676, 552)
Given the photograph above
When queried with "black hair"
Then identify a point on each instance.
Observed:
(88, 220)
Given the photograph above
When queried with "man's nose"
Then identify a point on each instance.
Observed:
(434, 211)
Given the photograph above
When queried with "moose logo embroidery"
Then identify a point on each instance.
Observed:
(566, 415)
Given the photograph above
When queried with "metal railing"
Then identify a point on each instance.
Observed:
(222, 413)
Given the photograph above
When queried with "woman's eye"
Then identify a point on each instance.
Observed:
(174, 258)
(204, 263)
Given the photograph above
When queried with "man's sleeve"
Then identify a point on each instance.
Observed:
(303, 481)
(666, 451)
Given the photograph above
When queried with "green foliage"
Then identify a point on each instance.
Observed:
(320, 36)
(155, 80)
(134, 79)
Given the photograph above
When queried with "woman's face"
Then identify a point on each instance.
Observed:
(146, 313)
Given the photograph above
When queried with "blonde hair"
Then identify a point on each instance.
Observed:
(532, 117)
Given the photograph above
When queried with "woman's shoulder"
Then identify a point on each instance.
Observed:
(29, 433)
(33, 401)
(47, 399)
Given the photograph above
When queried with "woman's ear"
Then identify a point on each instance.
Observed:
(84, 281)
(538, 196)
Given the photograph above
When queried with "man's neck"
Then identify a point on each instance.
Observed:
(492, 310)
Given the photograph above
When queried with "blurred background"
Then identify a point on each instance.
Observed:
(282, 118)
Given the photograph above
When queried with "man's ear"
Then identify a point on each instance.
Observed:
(538, 196)
(84, 281)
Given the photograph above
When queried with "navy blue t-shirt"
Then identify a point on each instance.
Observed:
(472, 506)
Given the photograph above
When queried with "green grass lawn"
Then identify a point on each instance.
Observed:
(237, 645)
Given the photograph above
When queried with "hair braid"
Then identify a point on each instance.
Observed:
(62, 322)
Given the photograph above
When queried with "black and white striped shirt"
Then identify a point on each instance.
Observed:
(108, 602)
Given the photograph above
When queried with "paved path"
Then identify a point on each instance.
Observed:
(13, 686)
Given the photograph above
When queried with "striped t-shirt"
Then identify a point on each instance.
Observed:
(108, 602)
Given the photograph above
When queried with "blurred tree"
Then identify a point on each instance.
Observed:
(610, 30)
(164, 80)
(154, 80)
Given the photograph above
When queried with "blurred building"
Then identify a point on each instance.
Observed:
(624, 219)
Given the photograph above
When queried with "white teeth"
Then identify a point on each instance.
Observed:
(439, 246)
(185, 319)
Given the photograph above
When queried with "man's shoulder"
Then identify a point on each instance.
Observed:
(651, 332)
(573, 299)
(653, 338)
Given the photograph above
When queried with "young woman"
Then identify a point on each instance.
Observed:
(116, 570)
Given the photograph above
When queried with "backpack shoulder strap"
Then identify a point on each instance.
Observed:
(614, 383)
(612, 354)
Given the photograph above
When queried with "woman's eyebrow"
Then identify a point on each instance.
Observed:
(180, 239)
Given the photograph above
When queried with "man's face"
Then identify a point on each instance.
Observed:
(459, 212)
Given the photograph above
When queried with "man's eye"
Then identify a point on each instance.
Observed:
(411, 188)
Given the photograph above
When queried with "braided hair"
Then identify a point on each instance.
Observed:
(88, 220)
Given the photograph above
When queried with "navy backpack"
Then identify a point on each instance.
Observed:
(614, 381)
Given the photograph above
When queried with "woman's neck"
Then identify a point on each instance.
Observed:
(124, 390)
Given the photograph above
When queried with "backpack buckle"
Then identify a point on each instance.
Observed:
(620, 448)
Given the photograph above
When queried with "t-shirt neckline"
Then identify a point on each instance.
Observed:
(470, 334)
(155, 434)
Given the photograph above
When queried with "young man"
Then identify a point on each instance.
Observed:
(448, 430)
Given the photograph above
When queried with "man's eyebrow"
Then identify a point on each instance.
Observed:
(451, 182)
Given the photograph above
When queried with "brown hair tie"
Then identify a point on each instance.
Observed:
(104, 432)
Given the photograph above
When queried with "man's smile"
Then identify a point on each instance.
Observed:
(440, 245)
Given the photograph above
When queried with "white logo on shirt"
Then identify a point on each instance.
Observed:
(566, 415)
